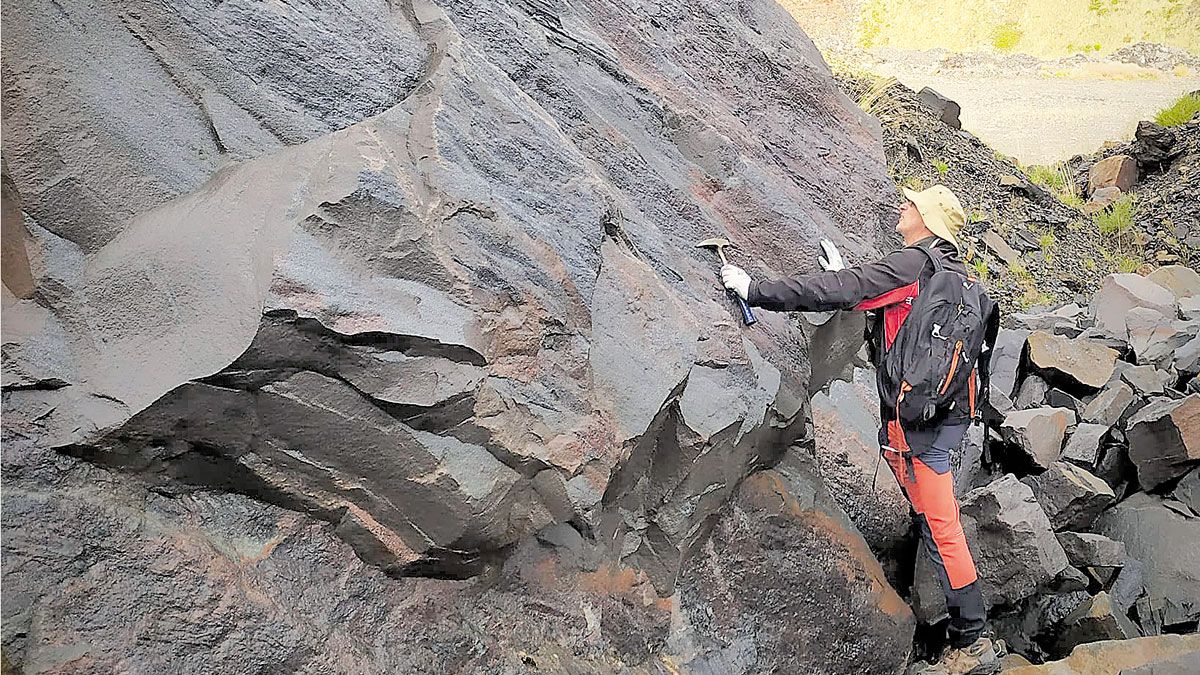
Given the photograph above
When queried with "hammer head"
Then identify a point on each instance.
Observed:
(716, 242)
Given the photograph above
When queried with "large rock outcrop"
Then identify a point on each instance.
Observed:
(412, 280)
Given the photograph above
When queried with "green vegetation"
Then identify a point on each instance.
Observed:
(1042, 29)
(1046, 242)
(1005, 37)
(1119, 241)
(941, 166)
(1057, 179)
(980, 266)
(1117, 219)
(1180, 111)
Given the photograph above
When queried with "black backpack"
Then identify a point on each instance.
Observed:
(932, 363)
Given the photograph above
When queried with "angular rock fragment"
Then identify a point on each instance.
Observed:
(1057, 398)
(1110, 405)
(1164, 439)
(1032, 393)
(1187, 358)
(945, 109)
(1083, 447)
(1038, 433)
(1119, 293)
(1119, 171)
(1077, 365)
(1085, 549)
(1188, 490)
(1154, 336)
(1146, 381)
(1071, 496)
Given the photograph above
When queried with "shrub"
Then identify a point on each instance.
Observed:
(1006, 36)
(1179, 112)
(1117, 218)
(941, 166)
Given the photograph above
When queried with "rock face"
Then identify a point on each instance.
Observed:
(426, 293)
(1164, 439)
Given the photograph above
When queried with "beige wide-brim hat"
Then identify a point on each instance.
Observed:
(940, 209)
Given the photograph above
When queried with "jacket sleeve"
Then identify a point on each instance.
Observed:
(844, 289)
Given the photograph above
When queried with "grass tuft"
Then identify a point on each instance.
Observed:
(1179, 112)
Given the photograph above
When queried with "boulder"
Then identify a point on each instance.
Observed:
(1070, 496)
(1085, 549)
(1077, 365)
(1096, 620)
(1011, 541)
(1182, 281)
(946, 110)
(1153, 144)
(1189, 308)
(1038, 433)
(1120, 293)
(1154, 337)
(1119, 171)
(1142, 655)
(1164, 439)
(1006, 360)
(1083, 446)
(1166, 541)
(1110, 405)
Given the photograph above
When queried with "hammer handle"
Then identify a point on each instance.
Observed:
(747, 316)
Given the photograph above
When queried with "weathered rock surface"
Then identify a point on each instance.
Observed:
(412, 280)
(1154, 337)
(1074, 364)
(1144, 656)
(1070, 496)
(1038, 433)
(1109, 405)
(1166, 542)
(1164, 439)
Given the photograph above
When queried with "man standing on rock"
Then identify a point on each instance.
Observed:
(919, 455)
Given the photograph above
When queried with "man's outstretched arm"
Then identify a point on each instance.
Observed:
(838, 289)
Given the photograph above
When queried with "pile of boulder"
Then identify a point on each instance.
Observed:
(1160, 167)
(1084, 518)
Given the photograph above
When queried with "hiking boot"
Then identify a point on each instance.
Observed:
(981, 657)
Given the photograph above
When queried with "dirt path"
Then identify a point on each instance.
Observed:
(1043, 120)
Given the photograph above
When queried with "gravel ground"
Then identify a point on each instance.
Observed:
(1043, 120)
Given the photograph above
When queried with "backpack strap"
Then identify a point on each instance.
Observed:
(937, 262)
(991, 329)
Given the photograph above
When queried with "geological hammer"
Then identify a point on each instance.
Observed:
(720, 244)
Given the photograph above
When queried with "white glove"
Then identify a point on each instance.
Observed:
(832, 261)
(736, 280)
